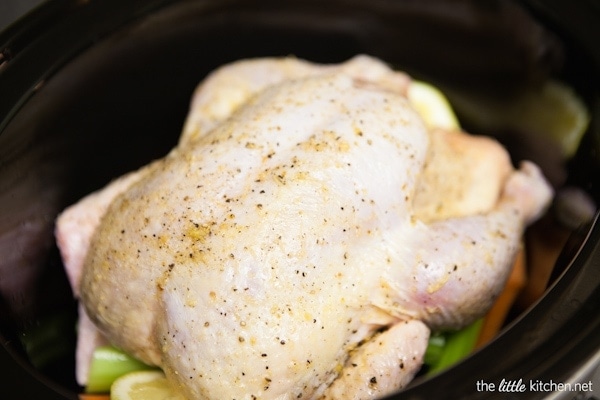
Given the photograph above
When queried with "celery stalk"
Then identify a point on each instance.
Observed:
(50, 340)
(435, 348)
(108, 364)
(457, 346)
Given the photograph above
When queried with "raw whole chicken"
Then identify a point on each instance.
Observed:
(302, 239)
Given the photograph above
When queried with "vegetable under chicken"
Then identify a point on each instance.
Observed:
(302, 239)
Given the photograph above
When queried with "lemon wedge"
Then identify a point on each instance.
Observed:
(432, 105)
(143, 385)
(555, 111)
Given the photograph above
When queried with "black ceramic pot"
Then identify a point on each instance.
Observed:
(92, 89)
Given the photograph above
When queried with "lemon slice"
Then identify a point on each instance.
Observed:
(432, 105)
(143, 385)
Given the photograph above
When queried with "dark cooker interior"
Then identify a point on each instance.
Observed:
(115, 100)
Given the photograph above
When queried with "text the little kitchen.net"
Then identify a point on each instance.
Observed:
(533, 385)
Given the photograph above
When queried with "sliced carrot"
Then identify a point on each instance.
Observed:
(496, 316)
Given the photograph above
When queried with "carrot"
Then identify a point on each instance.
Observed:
(494, 319)
(87, 396)
(545, 241)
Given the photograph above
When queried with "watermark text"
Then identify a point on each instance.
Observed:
(534, 385)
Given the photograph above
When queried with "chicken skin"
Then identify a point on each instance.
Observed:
(302, 239)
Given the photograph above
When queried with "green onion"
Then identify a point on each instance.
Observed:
(108, 364)
(447, 349)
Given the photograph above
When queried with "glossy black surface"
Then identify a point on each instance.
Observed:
(90, 90)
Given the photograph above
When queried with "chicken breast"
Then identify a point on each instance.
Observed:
(303, 238)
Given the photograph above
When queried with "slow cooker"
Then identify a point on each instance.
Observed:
(91, 89)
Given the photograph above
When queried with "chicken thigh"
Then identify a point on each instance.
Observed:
(302, 239)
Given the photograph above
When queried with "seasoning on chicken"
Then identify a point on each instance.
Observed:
(303, 238)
